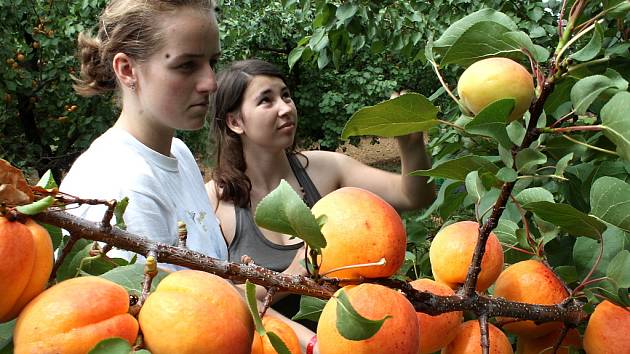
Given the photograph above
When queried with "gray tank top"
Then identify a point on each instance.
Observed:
(249, 240)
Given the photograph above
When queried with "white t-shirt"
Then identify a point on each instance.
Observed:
(162, 190)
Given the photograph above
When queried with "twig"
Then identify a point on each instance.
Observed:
(271, 292)
(485, 336)
(65, 251)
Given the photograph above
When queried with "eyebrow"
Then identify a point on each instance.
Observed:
(268, 91)
(194, 55)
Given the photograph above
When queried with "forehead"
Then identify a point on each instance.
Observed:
(261, 83)
(190, 30)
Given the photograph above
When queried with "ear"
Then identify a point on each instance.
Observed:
(124, 69)
(235, 123)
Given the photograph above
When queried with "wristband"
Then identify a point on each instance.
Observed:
(311, 345)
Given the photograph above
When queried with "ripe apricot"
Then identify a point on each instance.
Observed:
(531, 282)
(20, 57)
(445, 324)
(196, 312)
(468, 340)
(262, 345)
(608, 330)
(360, 228)
(399, 333)
(26, 260)
(544, 344)
(73, 316)
(452, 250)
(492, 79)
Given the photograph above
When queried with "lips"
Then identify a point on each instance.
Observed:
(286, 125)
(203, 103)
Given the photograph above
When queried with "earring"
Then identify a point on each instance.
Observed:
(133, 86)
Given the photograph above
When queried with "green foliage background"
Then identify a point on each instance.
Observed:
(375, 52)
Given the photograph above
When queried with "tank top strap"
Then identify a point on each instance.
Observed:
(311, 194)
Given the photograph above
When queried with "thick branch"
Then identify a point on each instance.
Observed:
(506, 190)
(570, 313)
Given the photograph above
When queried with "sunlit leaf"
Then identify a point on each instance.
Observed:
(527, 159)
(402, 115)
(310, 308)
(131, 277)
(284, 211)
(535, 194)
(278, 344)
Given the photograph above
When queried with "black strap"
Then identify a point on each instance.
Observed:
(311, 194)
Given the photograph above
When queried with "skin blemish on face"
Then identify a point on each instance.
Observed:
(167, 56)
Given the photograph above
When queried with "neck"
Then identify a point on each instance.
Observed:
(155, 136)
(265, 169)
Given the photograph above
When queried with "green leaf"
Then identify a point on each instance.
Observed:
(346, 11)
(310, 308)
(527, 159)
(617, 8)
(586, 91)
(568, 218)
(37, 206)
(586, 252)
(278, 344)
(516, 132)
(616, 123)
(402, 115)
(112, 346)
(350, 324)
(474, 186)
(457, 29)
(562, 164)
(520, 38)
(47, 181)
(506, 156)
(6, 333)
(283, 211)
(458, 168)
(610, 201)
(131, 277)
(482, 40)
(491, 121)
(618, 269)
(250, 292)
(295, 55)
(532, 195)
(593, 47)
(507, 174)
(119, 212)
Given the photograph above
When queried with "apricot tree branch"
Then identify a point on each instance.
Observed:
(570, 313)
(531, 134)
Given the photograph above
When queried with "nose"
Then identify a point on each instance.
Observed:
(284, 107)
(208, 81)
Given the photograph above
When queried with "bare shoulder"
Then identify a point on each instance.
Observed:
(322, 158)
(211, 189)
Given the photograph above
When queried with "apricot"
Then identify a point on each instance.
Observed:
(544, 344)
(26, 260)
(360, 228)
(399, 333)
(262, 345)
(73, 316)
(531, 282)
(608, 330)
(452, 250)
(468, 340)
(492, 79)
(445, 324)
(196, 312)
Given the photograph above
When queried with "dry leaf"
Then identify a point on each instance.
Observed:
(13, 187)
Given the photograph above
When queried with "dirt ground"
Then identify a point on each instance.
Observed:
(383, 154)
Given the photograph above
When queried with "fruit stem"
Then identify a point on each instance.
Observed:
(588, 145)
(150, 271)
(381, 262)
(586, 280)
(436, 68)
(65, 251)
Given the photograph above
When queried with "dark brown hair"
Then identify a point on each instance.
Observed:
(125, 26)
(232, 184)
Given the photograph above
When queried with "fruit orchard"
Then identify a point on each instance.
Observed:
(526, 247)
